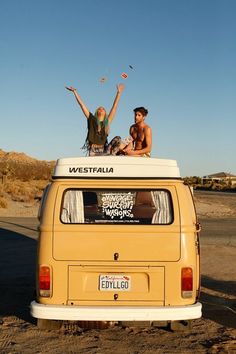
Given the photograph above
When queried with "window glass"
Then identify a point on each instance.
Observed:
(117, 207)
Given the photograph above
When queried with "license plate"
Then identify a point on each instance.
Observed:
(114, 282)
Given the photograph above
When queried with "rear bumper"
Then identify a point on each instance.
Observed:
(115, 313)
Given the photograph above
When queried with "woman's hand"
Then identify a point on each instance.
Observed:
(120, 88)
(72, 89)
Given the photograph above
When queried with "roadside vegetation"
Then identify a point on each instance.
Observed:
(22, 178)
(222, 186)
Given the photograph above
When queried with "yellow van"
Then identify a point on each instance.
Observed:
(118, 242)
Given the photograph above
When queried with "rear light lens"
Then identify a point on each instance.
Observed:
(45, 281)
(187, 282)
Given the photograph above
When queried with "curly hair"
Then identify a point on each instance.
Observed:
(142, 110)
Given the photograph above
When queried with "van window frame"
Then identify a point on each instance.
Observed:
(170, 204)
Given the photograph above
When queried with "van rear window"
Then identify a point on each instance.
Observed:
(117, 207)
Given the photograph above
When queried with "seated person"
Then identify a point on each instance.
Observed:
(141, 135)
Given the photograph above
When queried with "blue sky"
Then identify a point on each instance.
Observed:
(183, 54)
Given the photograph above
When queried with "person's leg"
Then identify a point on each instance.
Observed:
(114, 146)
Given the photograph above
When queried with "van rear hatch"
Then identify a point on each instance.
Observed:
(117, 225)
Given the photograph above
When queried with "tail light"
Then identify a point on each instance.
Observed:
(187, 282)
(45, 281)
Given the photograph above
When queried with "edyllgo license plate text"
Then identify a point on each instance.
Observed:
(114, 282)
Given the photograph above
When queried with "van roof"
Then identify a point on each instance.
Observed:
(115, 167)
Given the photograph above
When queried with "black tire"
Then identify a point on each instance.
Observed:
(48, 324)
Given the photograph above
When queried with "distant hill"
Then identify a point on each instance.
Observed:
(18, 157)
(15, 165)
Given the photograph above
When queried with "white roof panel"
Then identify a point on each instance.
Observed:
(115, 166)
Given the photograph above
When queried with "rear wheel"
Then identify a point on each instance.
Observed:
(48, 324)
(180, 326)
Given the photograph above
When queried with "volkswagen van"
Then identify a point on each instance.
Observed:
(119, 242)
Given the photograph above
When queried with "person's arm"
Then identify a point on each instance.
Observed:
(112, 113)
(130, 145)
(79, 100)
(129, 141)
(148, 147)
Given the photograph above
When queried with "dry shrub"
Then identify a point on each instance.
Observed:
(3, 203)
(1, 190)
(23, 178)
(24, 171)
(37, 171)
(22, 191)
(18, 191)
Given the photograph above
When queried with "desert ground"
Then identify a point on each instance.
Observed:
(215, 332)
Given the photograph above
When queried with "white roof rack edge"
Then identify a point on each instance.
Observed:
(115, 166)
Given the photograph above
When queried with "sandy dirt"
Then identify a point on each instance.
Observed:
(15, 209)
(215, 204)
(215, 332)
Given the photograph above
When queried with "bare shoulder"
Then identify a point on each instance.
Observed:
(147, 128)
